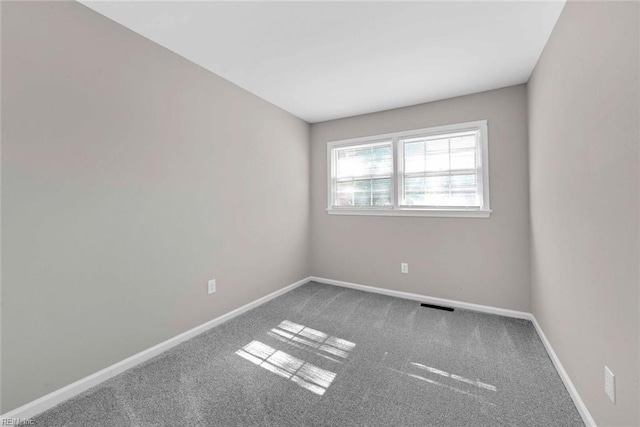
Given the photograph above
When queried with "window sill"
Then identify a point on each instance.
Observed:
(449, 213)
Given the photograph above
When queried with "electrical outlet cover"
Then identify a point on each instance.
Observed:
(211, 286)
(610, 384)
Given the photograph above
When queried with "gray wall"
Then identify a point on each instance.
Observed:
(583, 121)
(130, 177)
(483, 261)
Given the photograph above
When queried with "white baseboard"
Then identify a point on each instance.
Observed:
(582, 409)
(52, 399)
(427, 299)
(40, 405)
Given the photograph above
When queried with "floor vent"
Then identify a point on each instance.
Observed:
(437, 307)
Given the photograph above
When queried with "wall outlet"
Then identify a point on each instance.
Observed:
(404, 268)
(211, 286)
(610, 384)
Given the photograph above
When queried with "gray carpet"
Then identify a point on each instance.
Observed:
(326, 356)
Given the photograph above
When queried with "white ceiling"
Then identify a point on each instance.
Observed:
(327, 60)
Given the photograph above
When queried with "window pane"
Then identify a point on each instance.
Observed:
(364, 193)
(463, 159)
(414, 190)
(381, 192)
(464, 142)
(437, 155)
(361, 161)
(441, 144)
(344, 194)
(381, 163)
(414, 159)
(435, 183)
(438, 161)
(463, 180)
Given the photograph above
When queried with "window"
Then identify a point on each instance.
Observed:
(441, 171)
(363, 175)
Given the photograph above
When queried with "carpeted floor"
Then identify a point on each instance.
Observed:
(326, 356)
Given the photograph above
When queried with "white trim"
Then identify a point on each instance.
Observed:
(440, 213)
(573, 392)
(424, 298)
(582, 408)
(52, 399)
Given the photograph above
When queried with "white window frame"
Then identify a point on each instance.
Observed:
(397, 175)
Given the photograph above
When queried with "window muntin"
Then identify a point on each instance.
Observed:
(439, 171)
